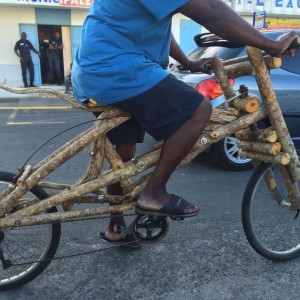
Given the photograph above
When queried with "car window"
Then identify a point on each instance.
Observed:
(292, 64)
(224, 53)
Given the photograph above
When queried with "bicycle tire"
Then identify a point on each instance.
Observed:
(9, 278)
(270, 228)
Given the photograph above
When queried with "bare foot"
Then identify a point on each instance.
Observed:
(115, 227)
(113, 236)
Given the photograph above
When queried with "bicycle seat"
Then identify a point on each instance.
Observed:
(92, 103)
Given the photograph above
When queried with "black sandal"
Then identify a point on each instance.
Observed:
(127, 239)
(175, 208)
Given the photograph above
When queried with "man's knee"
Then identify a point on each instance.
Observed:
(204, 111)
(126, 151)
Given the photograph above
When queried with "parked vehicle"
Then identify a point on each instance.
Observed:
(285, 80)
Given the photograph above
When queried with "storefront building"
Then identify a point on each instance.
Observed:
(38, 17)
(66, 16)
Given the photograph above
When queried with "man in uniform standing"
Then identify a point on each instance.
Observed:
(54, 53)
(22, 50)
(43, 47)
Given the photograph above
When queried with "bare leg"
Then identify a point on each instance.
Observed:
(126, 152)
(174, 149)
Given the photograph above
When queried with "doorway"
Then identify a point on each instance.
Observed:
(46, 32)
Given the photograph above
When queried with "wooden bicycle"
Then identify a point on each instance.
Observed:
(271, 201)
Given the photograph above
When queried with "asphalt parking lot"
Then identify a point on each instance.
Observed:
(206, 257)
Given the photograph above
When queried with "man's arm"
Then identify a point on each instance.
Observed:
(34, 50)
(194, 66)
(16, 50)
(60, 47)
(220, 19)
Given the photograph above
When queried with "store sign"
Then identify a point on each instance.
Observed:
(51, 3)
(280, 7)
(279, 23)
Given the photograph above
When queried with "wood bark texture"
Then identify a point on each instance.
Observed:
(273, 109)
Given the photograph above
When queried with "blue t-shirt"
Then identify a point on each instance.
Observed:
(124, 45)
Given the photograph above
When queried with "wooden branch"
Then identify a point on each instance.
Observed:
(267, 148)
(54, 186)
(292, 188)
(231, 111)
(222, 132)
(281, 158)
(61, 158)
(271, 184)
(6, 191)
(27, 202)
(58, 94)
(241, 66)
(223, 78)
(56, 217)
(109, 177)
(62, 148)
(220, 118)
(24, 175)
(260, 135)
(116, 163)
(238, 124)
(249, 104)
(95, 165)
(96, 160)
(273, 109)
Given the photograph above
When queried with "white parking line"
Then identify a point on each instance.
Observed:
(12, 116)
(35, 107)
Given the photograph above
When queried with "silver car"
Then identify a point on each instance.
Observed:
(285, 80)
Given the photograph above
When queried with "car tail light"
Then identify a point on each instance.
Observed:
(210, 88)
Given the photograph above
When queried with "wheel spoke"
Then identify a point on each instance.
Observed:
(26, 245)
(270, 228)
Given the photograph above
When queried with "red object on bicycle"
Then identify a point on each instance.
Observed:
(210, 88)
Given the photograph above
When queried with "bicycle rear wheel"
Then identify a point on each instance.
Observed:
(270, 227)
(27, 251)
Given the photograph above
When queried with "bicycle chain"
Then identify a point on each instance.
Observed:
(80, 253)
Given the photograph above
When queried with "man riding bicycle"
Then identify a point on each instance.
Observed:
(121, 62)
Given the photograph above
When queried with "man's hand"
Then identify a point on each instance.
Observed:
(286, 40)
(200, 65)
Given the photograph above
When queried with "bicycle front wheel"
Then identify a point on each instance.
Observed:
(270, 226)
(26, 251)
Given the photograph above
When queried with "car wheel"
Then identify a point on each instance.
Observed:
(225, 153)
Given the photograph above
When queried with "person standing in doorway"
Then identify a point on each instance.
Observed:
(22, 50)
(43, 48)
(54, 54)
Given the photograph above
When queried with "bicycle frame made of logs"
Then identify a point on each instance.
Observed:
(237, 116)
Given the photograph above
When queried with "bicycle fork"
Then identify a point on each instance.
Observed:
(291, 172)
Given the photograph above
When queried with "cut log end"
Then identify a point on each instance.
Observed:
(215, 134)
(281, 158)
(252, 104)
